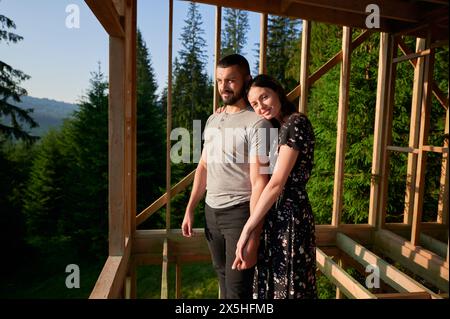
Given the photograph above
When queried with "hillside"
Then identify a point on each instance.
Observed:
(47, 113)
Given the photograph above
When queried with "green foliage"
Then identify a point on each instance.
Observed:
(283, 50)
(150, 131)
(234, 34)
(12, 117)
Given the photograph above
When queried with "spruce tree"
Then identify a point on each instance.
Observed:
(234, 34)
(150, 131)
(12, 118)
(283, 42)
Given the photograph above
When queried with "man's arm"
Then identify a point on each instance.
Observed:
(258, 181)
(197, 193)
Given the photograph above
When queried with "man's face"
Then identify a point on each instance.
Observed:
(230, 83)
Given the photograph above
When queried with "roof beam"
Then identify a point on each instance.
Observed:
(396, 10)
(106, 13)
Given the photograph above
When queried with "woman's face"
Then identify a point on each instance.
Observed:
(265, 102)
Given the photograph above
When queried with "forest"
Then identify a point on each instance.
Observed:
(54, 188)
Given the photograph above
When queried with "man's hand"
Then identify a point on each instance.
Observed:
(188, 221)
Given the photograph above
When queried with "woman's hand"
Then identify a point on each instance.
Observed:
(220, 109)
(246, 251)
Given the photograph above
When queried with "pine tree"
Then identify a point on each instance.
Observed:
(150, 131)
(234, 35)
(10, 80)
(192, 92)
(283, 42)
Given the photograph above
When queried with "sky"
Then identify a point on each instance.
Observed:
(60, 59)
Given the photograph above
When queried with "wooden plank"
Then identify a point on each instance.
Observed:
(402, 149)
(420, 261)
(107, 15)
(416, 55)
(443, 209)
(404, 295)
(304, 67)
(388, 273)
(341, 138)
(161, 201)
(217, 48)
(380, 127)
(110, 282)
(423, 139)
(116, 145)
(395, 10)
(130, 116)
(434, 245)
(177, 280)
(263, 43)
(165, 271)
(338, 276)
(169, 117)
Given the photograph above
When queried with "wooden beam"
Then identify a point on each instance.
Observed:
(341, 138)
(177, 280)
(304, 67)
(434, 245)
(380, 131)
(419, 190)
(110, 282)
(416, 55)
(420, 261)
(404, 295)
(116, 167)
(438, 94)
(130, 116)
(338, 276)
(388, 273)
(414, 130)
(443, 209)
(217, 48)
(328, 65)
(165, 271)
(263, 44)
(161, 201)
(169, 117)
(106, 13)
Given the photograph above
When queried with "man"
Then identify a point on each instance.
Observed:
(230, 169)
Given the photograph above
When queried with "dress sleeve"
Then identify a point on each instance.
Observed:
(297, 133)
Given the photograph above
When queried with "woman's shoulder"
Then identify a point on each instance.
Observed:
(296, 118)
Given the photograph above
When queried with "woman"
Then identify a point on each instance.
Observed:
(286, 265)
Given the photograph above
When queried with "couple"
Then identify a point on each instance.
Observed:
(253, 218)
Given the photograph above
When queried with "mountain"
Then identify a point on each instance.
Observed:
(47, 113)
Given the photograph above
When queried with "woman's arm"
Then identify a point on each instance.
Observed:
(286, 159)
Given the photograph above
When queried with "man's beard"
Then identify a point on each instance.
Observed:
(234, 98)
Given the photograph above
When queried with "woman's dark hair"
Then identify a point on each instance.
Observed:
(266, 81)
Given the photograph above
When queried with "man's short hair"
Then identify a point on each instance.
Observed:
(235, 59)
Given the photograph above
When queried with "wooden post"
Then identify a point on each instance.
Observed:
(165, 271)
(304, 67)
(423, 139)
(130, 115)
(178, 280)
(217, 55)
(342, 126)
(169, 117)
(116, 145)
(339, 294)
(263, 44)
(384, 84)
(442, 216)
(414, 133)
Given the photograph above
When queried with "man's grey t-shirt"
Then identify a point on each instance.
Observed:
(232, 140)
